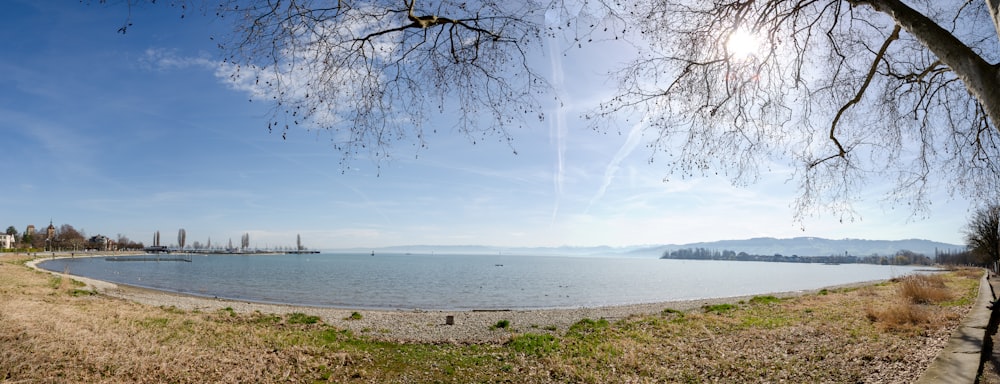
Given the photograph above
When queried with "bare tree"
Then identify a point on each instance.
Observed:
(982, 235)
(383, 72)
(845, 92)
(69, 238)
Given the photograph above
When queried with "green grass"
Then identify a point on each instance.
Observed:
(970, 289)
(534, 344)
(354, 316)
(302, 318)
(764, 300)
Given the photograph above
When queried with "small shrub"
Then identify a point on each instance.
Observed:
(82, 292)
(331, 336)
(301, 318)
(673, 315)
(354, 316)
(261, 318)
(764, 300)
(587, 326)
(719, 309)
(670, 312)
(502, 324)
(824, 292)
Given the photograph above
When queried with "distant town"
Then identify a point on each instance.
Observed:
(66, 238)
(902, 257)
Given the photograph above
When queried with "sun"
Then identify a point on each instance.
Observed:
(742, 44)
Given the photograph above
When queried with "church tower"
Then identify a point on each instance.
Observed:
(50, 234)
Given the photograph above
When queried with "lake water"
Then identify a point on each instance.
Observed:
(463, 282)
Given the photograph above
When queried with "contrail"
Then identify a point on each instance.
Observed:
(557, 129)
(632, 141)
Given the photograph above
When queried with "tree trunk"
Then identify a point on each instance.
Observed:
(994, 8)
(981, 78)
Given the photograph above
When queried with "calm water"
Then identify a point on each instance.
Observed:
(461, 282)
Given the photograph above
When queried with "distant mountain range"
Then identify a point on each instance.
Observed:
(798, 246)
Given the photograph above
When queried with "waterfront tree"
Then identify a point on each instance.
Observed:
(28, 239)
(36, 239)
(982, 234)
(122, 240)
(69, 238)
(845, 93)
(181, 238)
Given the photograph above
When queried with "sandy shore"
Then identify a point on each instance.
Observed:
(416, 325)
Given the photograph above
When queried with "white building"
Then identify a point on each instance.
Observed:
(6, 241)
(100, 243)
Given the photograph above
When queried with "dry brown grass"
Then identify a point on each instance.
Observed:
(900, 315)
(971, 273)
(924, 289)
(911, 309)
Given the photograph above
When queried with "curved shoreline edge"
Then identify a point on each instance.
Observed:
(422, 326)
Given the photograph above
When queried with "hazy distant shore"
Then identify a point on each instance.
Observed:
(417, 325)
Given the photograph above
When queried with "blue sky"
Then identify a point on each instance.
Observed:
(130, 134)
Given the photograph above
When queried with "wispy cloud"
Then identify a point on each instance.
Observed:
(557, 129)
(631, 142)
(162, 59)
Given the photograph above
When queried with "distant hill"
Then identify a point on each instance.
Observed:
(798, 246)
(814, 246)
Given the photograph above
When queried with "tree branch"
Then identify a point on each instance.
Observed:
(977, 74)
(841, 152)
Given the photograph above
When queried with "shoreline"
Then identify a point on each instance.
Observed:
(419, 326)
